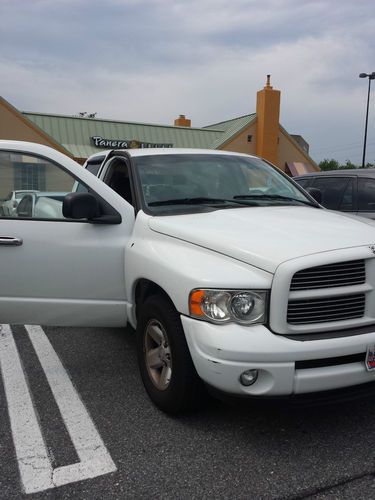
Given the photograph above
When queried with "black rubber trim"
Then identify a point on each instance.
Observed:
(332, 396)
(135, 183)
(338, 360)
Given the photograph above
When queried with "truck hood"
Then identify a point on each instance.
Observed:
(267, 236)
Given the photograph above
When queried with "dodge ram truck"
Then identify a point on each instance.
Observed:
(231, 274)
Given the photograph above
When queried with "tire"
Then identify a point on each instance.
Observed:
(166, 367)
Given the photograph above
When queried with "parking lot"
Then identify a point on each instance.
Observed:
(126, 448)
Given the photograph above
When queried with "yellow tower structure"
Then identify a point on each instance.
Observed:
(268, 115)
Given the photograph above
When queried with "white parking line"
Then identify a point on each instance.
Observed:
(33, 461)
(34, 464)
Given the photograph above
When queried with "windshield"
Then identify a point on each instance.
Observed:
(194, 181)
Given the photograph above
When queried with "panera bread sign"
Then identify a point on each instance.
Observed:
(100, 142)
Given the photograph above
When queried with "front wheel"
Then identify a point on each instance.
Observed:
(166, 367)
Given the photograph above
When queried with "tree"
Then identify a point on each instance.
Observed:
(329, 164)
(348, 164)
(335, 165)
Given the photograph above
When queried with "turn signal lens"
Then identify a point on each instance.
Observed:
(196, 299)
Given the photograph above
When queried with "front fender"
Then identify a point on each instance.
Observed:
(178, 267)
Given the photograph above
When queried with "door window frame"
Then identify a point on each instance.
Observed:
(348, 178)
(107, 208)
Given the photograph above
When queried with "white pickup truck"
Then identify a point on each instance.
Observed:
(230, 273)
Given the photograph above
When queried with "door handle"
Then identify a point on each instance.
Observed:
(10, 241)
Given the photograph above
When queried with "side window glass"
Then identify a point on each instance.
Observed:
(303, 182)
(366, 195)
(117, 178)
(332, 189)
(32, 187)
(347, 199)
(94, 166)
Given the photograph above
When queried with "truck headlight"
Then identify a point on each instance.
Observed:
(222, 306)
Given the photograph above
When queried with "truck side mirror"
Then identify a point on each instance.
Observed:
(80, 206)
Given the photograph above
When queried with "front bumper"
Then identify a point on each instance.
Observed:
(222, 352)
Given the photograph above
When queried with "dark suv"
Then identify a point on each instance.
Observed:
(345, 190)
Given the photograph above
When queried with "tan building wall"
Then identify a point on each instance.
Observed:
(289, 151)
(240, 143)
(14, 126)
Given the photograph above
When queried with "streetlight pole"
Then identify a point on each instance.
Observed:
(370, 76)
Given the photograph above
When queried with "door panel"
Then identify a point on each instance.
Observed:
(61, 271)
(65, 272)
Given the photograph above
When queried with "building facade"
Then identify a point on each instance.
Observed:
(79, 137)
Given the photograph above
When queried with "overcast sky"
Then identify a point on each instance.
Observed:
(151, 60)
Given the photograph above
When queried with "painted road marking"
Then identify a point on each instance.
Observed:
(27, 437)
(34, 463)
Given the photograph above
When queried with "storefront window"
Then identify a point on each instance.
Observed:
(29, 176)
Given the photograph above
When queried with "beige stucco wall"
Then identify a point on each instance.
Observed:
(240, 143)
(289, 152)
(14, 128)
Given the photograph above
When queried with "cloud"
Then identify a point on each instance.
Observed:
(150, 60)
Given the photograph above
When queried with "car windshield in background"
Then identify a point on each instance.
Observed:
(194, 181)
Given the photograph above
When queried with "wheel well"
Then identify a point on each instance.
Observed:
(146, 288)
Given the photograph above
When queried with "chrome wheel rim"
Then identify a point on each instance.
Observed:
(158, 355)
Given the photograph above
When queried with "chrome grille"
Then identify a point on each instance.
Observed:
(330, 275)
(325, 309)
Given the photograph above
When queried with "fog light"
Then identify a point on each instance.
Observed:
(248, 377)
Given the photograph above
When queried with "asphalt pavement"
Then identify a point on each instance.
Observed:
(224, 451)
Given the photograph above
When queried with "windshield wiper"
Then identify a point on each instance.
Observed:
(271, 197)
(199, 201)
